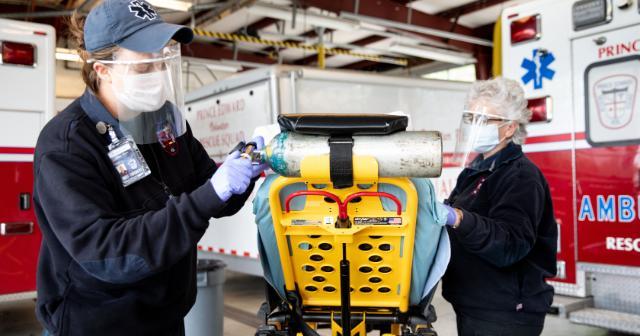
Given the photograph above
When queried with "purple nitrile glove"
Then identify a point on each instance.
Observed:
(452, 216)
(232, 177)
(258, 169)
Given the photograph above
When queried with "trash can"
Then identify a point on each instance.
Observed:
(207, 315)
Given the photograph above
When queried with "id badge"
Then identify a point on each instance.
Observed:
(128, 161)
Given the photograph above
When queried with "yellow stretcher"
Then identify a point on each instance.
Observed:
(339, 271)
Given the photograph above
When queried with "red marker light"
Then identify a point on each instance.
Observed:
(525, 29)
(18, 53)
(540, 109)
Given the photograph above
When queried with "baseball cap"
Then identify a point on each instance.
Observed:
(131, 24)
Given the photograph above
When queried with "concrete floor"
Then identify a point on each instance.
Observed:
(241, 292)
(242, 298)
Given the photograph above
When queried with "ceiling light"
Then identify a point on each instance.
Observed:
(319, 20)
(177, 5)
(64, 54)
(436, 54)
(417, 29)
(212, 65)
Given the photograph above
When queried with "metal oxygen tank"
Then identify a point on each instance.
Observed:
(402, 154)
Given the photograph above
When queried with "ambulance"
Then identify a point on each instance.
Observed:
(579, 62)
(27, 98)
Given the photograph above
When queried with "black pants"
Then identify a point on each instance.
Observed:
(468, 326)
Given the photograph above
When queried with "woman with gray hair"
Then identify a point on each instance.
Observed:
(501, 224)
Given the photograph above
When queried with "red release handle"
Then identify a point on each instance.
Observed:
(375, 193)
(342, 206)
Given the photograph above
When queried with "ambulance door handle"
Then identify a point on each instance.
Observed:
(16, 228)
(600, 40)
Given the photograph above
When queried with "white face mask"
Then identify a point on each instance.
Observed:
(487, 138)
(142, 92)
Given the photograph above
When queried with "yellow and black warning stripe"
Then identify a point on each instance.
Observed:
(296, 45)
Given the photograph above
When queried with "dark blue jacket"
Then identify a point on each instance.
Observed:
(116, 260)
(505, 246)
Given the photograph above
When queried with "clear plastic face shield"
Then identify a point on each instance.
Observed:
(147, 90)
(479, 132)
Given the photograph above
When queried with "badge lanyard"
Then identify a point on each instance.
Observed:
(127, 158)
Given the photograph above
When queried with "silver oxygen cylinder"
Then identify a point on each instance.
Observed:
(402, 154)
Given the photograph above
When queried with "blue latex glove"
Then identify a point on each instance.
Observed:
(232, 177)
(258, 169)
(452, 216)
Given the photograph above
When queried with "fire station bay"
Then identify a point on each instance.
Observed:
(319, 167)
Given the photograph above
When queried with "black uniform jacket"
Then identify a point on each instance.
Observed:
(505, 246)
(116, 260)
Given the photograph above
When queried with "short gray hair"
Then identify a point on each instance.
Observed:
(507, 97)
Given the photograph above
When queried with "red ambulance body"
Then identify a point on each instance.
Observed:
(579, 62)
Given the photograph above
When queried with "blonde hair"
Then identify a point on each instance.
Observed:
(507, 97)
(89, 75)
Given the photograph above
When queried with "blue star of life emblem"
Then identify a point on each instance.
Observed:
(142, 10)
(538, 68)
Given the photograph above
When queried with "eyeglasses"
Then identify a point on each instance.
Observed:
(157, 62)
(141, 67)
(472, 117)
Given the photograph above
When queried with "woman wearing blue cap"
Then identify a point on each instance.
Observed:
(123, 191)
